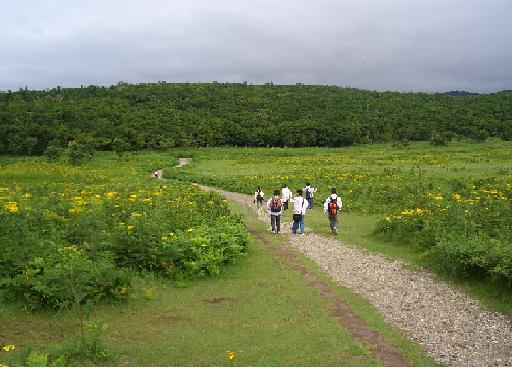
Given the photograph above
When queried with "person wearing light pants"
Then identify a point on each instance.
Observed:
(300, 205)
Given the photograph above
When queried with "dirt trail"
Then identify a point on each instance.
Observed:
(453, 328)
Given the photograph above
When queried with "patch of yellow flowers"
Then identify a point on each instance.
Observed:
(8, 347)
(416, 212)
(11, 207)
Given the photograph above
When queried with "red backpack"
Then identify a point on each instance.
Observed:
(332, 207)
(275, 204)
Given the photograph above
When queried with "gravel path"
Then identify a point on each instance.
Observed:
(453, 328)
(183, 161)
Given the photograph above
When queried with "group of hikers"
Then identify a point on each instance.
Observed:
(303, 201)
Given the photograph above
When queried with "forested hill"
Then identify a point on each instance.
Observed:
(163, 115)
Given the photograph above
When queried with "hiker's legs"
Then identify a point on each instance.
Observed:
(311, 203)
(301, 223)
(273, 222)
(295, 225)
(333, 222)
(285, 205)
(278, 223)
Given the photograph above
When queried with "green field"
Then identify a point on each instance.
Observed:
(139, 255)
(447, 208)
(146, 313)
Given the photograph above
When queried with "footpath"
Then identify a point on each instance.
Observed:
(453, 328)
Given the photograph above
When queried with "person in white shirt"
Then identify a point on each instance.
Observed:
(299, 210)
(309, 192)
(274, 207)
(258, 198)
(332, 206)
(286, 196)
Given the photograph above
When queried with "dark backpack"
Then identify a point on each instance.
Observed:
(259, 197)
(308, 194)
(332, 207)
(275, 204)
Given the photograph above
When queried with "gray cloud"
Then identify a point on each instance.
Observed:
(419, 45)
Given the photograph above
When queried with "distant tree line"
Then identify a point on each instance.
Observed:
(163, 115)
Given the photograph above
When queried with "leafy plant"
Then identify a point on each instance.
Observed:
(35, 359)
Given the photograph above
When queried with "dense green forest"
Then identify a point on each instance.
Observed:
(164, 115)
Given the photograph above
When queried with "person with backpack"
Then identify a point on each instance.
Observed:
(300, 205)
(332, 206)
(286, 195)
(309, 191)
(274, 207)
(258, 198)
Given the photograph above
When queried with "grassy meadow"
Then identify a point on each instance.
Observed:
(446, 208)
(104, 265)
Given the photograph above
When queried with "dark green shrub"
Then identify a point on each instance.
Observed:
(52, 153)
(120, 146)
(66, 278)
(438, 139)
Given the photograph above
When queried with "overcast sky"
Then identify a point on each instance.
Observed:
(403, 45)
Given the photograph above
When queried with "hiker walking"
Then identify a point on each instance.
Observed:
(286, 196)
(332, 206)
(309, 191)
(274, 207)
(258, 198)
(299, 210)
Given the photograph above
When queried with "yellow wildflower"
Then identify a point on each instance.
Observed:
(11, 206)
(8, 347)
(231, 355)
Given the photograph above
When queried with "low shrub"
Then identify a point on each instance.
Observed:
(61, 245)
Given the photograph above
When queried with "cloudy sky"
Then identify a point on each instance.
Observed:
(403, 45)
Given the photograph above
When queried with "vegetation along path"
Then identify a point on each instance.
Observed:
(453, 328)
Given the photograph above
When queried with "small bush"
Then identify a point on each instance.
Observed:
(438, 139)
(35, 359)
(400, 144)
(120, 146)
(52, 153)
(78, 152)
